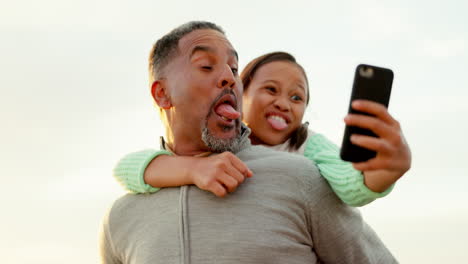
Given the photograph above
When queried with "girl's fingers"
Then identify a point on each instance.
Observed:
(218, 189)
(376, 144)
(374, 124)
(235, 174)
(239, 165)
(228, 181)
(376, 109)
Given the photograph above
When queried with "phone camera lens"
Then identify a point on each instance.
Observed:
(366, 72)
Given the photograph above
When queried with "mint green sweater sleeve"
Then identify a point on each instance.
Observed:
(130, 170)
(346, 182)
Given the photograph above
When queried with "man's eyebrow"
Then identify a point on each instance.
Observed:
(201, 48)
(211, 50)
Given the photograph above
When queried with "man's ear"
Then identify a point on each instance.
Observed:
(159, 93)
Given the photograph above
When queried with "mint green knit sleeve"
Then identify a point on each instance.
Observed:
(130, 170)
(346, 182)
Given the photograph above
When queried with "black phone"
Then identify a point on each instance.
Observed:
(370, 83)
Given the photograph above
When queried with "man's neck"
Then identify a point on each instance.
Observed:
(183, 150)
(182, 147)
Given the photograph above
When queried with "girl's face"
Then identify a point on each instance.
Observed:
(274, 103)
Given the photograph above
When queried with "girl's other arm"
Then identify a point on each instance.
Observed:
(347, 182)
(393, 158)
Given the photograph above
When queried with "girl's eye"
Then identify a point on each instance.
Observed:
(208, 68)
(271, 89)
(296, 98)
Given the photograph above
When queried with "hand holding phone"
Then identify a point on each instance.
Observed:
(370, 83)
(370, 117)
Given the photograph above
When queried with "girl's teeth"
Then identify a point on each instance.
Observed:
(278, 118)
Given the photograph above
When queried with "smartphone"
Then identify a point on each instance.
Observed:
(370, 83)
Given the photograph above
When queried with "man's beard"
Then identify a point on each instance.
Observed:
(221, 144)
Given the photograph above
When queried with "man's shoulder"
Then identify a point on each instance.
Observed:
(281, 163)
(145, 221)
(293, 172)
(131, 206)
(125, 202)
(119, 209)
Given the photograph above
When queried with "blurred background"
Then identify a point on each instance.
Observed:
(74, 99)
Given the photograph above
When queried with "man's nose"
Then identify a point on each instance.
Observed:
(281, 103)
(226, 78)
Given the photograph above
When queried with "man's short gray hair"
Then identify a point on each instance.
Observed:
(166, 47)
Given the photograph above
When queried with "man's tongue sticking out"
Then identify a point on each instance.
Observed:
(227, 111)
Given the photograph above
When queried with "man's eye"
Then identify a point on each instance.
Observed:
(234, 71)
(296, 98)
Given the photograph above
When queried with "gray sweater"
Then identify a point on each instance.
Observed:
(285, 213)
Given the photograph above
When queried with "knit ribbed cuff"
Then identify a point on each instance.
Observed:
(130, 170)
(346, 182)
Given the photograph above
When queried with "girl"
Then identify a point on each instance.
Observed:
(276, 93)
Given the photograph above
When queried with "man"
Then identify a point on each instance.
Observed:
(285, 214)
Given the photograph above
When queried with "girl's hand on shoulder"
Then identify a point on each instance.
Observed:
(220, 174)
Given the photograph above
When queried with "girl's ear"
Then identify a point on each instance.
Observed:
(159, 93)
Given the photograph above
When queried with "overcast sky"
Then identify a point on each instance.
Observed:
(74, 99)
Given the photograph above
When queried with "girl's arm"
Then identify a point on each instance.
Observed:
(347, 182)
(148, 170)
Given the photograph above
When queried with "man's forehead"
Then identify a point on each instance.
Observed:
(208, 39)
